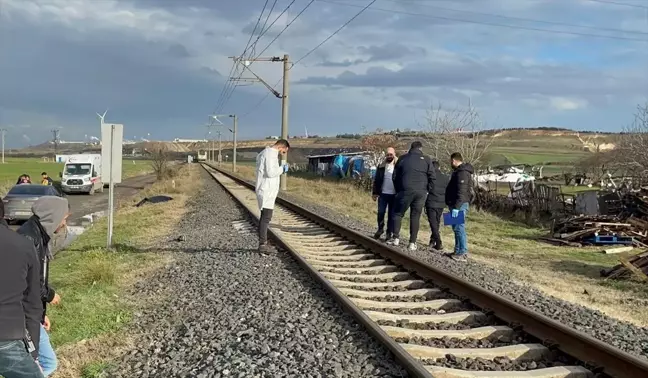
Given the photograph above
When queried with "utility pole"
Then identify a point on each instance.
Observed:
(234, 142)
(4, 131)
(284, 116)
(283, 96)
(55, 133)
(220, 157)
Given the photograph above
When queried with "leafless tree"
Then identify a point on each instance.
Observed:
(375, 144)
(456, 130)
(160, 159)
(633, 144)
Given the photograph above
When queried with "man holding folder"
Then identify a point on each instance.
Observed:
(458, 196)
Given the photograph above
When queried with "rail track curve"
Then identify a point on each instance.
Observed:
(417, 310)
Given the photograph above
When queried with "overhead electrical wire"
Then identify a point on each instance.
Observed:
(619, 4)
(334, 33)
(488, 23)
(557, 23)
(309, 52)
(228, 83)
(273, 40)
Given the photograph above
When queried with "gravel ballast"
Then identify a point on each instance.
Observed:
(235, 313)
(622, 335)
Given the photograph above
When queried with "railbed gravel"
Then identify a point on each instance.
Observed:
(453, 342)
(623, 335)
(235, 313)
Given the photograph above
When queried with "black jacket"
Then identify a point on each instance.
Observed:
(460, 188)
(414, 172)
(379, 177)
(33, 230)
(436, 197)
(20, 304)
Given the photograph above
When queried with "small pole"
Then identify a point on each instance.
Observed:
(234, 142)
(3, 131)
(220, 157)
(111, 190)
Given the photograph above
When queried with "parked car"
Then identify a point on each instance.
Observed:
(19, 200)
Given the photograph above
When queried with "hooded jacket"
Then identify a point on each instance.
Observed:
(268, 171)
(20, 304)
(460, 187)
(49, 212)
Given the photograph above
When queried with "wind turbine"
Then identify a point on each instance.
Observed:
(102, 117)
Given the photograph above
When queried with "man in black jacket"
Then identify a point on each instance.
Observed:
(50, 214)
(383, 191)
(413, 178)
(458, 197)
(434, 206)
(20, 305)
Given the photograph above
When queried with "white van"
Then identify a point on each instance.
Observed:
(82, 174)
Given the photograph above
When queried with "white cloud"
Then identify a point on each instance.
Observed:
(562, 103)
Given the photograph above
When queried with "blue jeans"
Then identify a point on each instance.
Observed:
(461, 240)
(386, 203)
(46, 355)
(15, 362)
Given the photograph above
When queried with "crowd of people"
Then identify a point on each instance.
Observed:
(25, 179)
(415, 182)
(25, 292)
(412, 182)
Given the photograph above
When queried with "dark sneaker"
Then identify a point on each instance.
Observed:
(264, 248)
(378, 234)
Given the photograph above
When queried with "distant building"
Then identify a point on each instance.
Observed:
(180, 140)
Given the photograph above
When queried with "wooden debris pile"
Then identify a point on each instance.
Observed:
(577, 231)
(635, 266)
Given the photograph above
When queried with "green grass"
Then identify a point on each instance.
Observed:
(92, 281)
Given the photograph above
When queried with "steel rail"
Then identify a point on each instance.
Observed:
(603, 357)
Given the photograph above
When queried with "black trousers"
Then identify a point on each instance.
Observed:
(264, 223)
(434, 218)
(414, 202)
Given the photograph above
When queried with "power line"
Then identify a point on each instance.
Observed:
(228, 83)
(286, 27)
(253, 47)
(487, 23)
(522, 18)
(258, 38)
(254, 108)
(619, 4)
(334, 33)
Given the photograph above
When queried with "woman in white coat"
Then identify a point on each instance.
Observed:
(268, 171)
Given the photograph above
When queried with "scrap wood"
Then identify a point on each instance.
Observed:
(560, 241)
(636, 266)
(613, 250)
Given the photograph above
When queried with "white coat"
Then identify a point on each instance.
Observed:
(268, 171)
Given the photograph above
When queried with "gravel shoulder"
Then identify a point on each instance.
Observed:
(227, 311)
(622, 335)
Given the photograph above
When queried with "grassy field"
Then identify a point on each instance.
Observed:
(87, 327)
(15, 167)
(563, 272)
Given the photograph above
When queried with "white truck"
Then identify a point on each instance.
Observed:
(82, 174)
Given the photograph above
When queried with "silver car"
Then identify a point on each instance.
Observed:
(18, 202)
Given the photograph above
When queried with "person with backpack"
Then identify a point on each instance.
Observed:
(458, 196)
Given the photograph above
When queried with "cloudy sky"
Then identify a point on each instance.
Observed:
(160, 65)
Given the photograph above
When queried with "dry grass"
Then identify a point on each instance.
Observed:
(567, 273)
(88, 326)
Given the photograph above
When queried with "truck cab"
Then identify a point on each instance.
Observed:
(82, 174)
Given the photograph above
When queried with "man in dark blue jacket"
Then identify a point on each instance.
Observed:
(434, 206)
(458, 196)
(413, 178)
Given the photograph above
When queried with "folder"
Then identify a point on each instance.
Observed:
(448, 220)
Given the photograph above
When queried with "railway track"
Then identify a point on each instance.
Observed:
(436, 325)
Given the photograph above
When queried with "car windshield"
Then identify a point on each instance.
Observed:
(33, 190)
(77, 169)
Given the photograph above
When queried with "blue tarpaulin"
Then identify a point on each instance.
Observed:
(345, 166)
